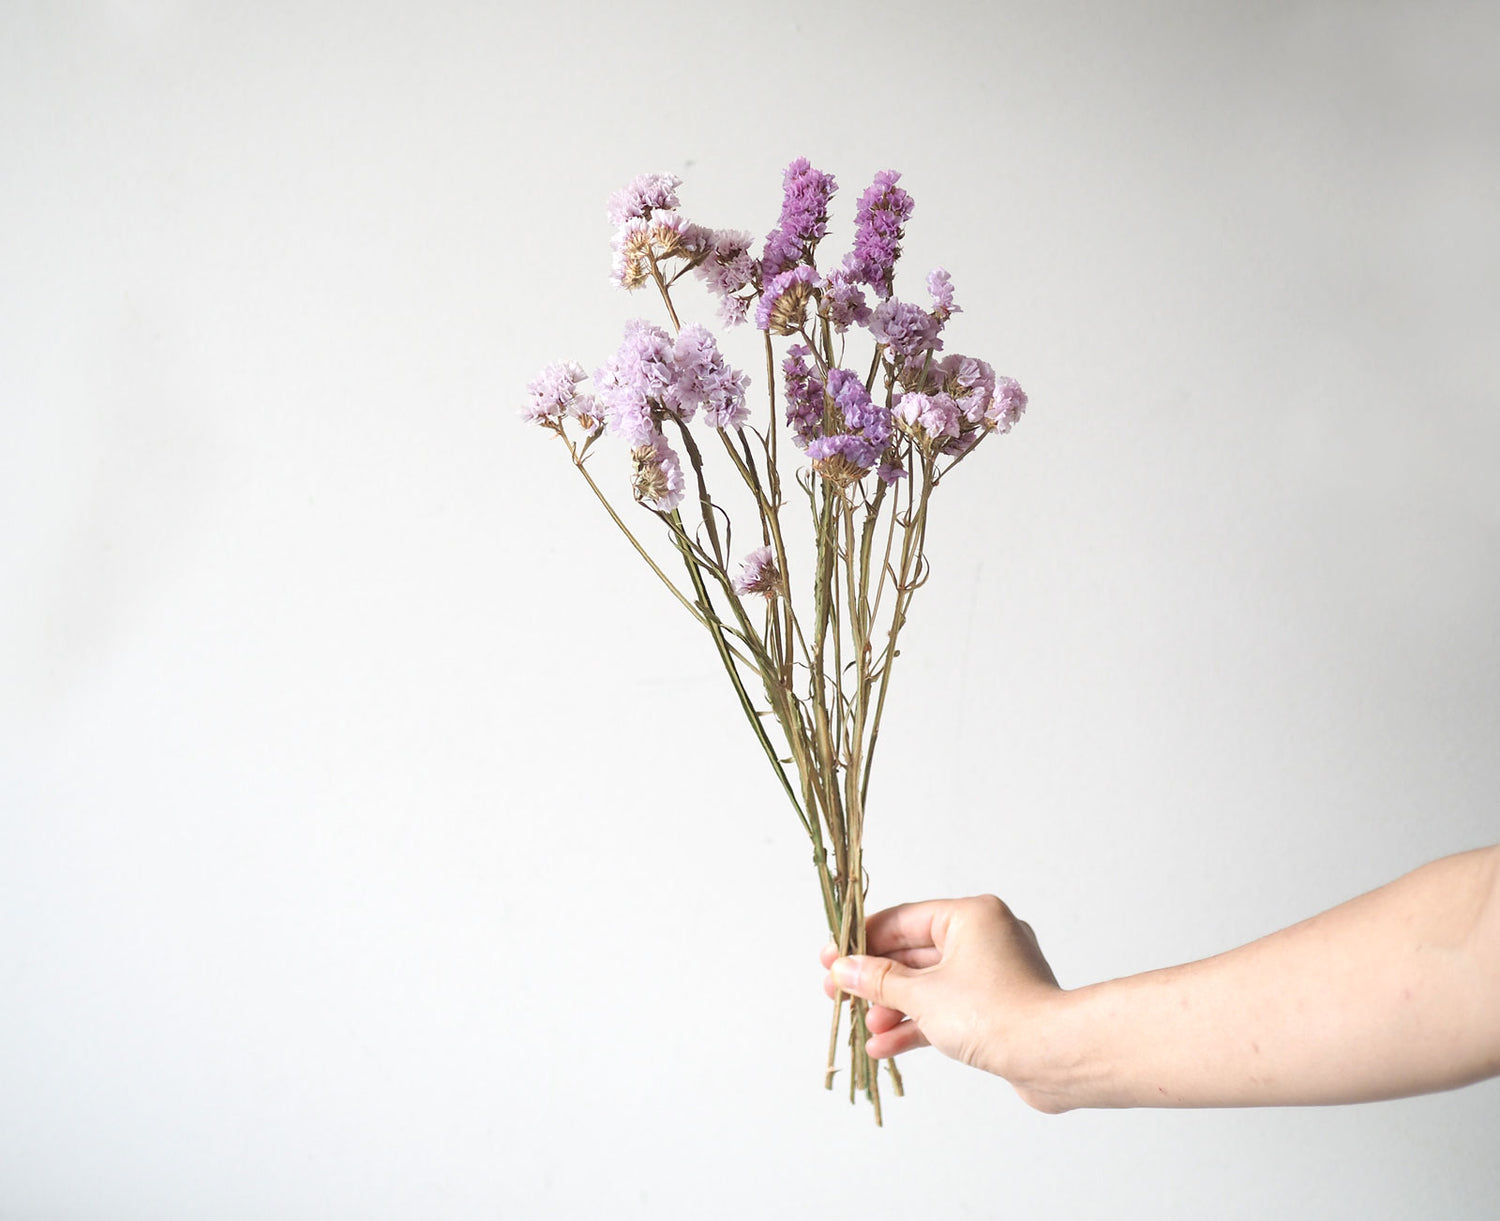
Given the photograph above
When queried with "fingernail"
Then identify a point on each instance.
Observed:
(845, 972)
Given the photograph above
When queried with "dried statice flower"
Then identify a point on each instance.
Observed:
(635, 380)
(940, 285)
(907, 330)
(804, 218)
(630, 267)
(734, 310)
(553, 392)
(957, 447)
(1010, 402)
(586, 410)
(970, 381)
(662, 235)
(844, 300)
(783, 304)
(843, 458)
(656, 475)
(861, 431)
(878, 221)
(804, 393)
(758, 575)
(890, 470)
(728, 270)
(858, 411)
(929, 418)
(641, 196)
(705, 381)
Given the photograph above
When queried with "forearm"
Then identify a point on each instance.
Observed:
(1396, 992)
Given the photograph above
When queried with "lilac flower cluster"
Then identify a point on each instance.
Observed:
(642, 195)
(1008, 405)
(783, 303)
(649, 229)
(728, 270)
(656, 475)
(804, 394)
(804, 218)
(554, 394)
(958, 401)
(862, 430)
(651, 378)
(878, 224)
(882, 211)
(635, 382)
(758, 575)
(844, 300)
(940, 286)
(644, 240)
(705, 381)
(842, 429)
(909, 331)
(859, 412)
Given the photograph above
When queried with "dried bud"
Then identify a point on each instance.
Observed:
(759, 575)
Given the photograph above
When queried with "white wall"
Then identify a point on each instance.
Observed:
(378, 841)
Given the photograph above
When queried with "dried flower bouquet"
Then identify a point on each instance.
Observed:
(807, 626)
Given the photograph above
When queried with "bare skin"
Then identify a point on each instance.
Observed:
(1396, 992)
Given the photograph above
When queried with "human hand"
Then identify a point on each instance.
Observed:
(966, 977)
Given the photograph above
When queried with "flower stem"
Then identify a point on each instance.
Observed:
(634, 542)
(716, 630)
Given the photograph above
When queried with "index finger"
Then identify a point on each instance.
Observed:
(908, 926)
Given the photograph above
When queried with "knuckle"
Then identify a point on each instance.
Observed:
(990, 907)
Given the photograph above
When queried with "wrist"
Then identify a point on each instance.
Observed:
(1053, 1058)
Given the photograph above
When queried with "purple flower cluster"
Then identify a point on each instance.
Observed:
(650, 378)
(878, 225)
(783, 303)
(705, 382)
(649, 228)
(843, 430)
(844, 300)
(758, 575)
(930, 416)
(728, 270)
(857, 409)
(804, 218)
(909, 331)
(804, 393)
(656, 475)
(940, 285)
(644, 239)
(959, 401)
(861, 430)
(636, 381)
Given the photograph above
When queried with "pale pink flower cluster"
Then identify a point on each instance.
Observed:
(554, 394)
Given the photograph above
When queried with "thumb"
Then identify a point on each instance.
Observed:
(875, 979)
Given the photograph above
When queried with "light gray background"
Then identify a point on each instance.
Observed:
(378, 841)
